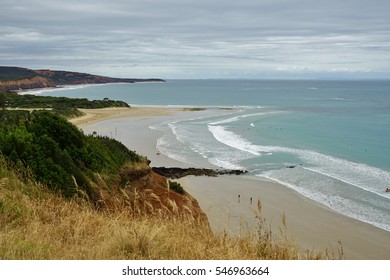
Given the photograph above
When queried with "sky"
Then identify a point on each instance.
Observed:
(218, 39)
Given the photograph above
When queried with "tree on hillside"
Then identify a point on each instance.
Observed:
(3, 100)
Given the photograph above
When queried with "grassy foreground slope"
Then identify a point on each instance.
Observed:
(38, 224)
(65, 195)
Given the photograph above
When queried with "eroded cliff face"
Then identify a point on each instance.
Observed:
(30, 83)
(147, 193)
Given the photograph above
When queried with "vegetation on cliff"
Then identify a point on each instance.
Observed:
(67, 107)
(15, 73)
(57, 153)
(14, 100)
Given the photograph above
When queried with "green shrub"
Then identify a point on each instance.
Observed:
(41, 101)
(58, 153)
(176, 187)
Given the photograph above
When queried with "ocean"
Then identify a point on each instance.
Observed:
(327, 140)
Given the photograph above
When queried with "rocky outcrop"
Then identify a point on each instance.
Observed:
(176, 172)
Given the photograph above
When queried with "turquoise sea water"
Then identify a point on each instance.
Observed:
(335, 134)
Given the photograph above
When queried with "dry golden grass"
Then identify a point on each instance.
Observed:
(37, 224)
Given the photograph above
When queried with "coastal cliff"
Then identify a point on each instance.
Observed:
(17, 78)
(147, 192)
(27, 83)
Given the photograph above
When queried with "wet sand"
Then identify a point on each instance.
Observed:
(308, 223)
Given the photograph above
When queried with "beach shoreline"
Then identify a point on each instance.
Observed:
(230, 201)
(92, 116)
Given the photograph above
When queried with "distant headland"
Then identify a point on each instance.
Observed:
(18, 78)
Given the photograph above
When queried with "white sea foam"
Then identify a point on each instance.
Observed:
(175, 132)
(358, 179)
(59, 88)
(227, 164)
(233, 140)
(236, 141)
(237, 118)
(360, 175)
(347, 187)
(229, 120)
(357, 174)
(321, 190)
(164, 146)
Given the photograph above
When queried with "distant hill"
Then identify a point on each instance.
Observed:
(17, 78)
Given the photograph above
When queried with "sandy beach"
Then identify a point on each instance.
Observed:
(95, 115)
(230, 201)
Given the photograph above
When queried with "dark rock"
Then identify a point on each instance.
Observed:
(293, 166)
(177, 172)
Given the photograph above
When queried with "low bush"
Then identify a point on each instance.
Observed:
(176, 187)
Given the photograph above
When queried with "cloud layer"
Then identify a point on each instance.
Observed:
(199, 39)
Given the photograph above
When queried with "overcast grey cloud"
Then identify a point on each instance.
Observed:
(200, 39)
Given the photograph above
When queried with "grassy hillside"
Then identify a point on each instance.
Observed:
(15, 73)
(57, 153)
